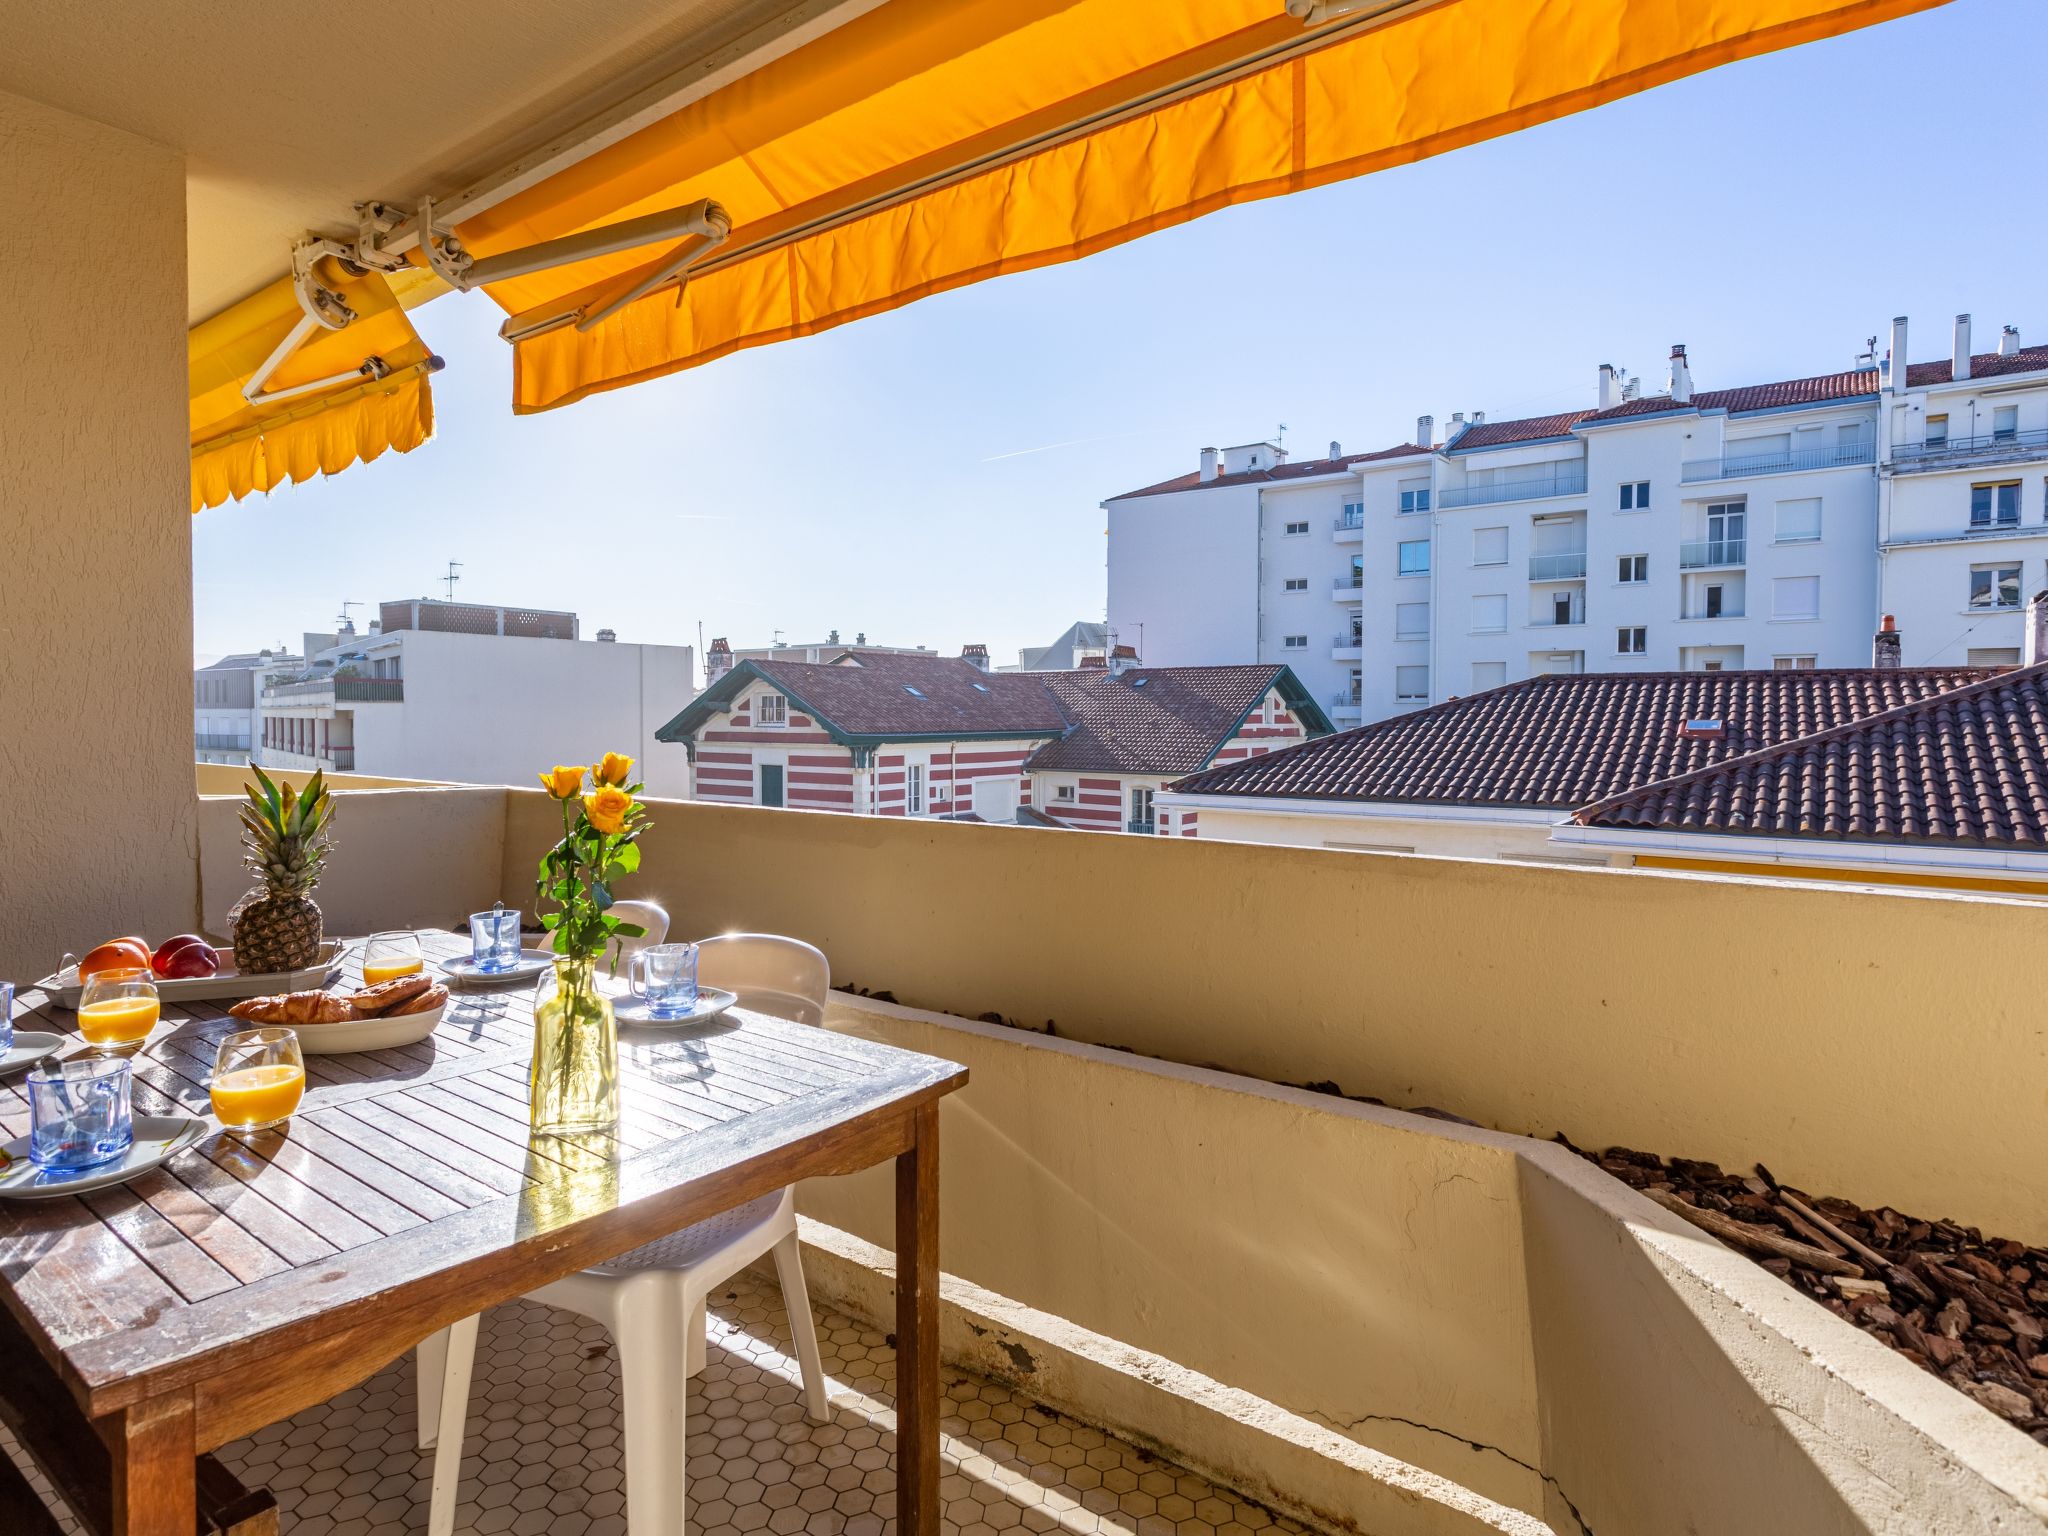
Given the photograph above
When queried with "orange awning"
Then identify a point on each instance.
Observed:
(239, 447)
(932, 143)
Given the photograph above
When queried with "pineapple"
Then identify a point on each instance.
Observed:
(285, 836)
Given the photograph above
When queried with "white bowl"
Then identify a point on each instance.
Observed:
(363, 1034)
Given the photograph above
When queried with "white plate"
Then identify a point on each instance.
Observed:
(158, 1139)
(463, 971)
(711, 1002)
(64, 988)
(30, 1045)
(362, 1034)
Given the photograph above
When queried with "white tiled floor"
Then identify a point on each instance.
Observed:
(542, 1457)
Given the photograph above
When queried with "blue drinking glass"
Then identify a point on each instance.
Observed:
(494, 939)
(666, 976)
(6, 1017)
(79, 1112)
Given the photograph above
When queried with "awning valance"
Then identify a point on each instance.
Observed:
(931, 143)
(239, 447)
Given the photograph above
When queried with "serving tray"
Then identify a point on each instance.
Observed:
(227, 982)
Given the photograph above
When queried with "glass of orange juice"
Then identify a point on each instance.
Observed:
(390, 955)
(118, 1008)
(258, 1079)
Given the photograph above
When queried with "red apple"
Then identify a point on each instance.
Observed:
(185, 956)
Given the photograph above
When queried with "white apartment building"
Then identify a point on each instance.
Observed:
(225, 718)
(1764, 526)
(475, 694)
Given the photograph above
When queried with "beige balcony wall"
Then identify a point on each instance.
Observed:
(96, 819)
(1843, 1037)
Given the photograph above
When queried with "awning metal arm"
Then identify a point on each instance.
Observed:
(323, 308)
(699, 225)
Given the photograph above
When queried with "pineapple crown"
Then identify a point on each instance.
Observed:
(285, 832)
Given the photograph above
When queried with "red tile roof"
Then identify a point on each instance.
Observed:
(1983, 365)
(1166, 720)
(1278, 474)
(1529, 429)
(1559, 742)
(1967, 768)
(953, 697)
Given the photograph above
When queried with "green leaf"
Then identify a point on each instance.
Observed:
(626, 858)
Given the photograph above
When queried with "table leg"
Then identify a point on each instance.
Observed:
(917, 1328)
(152, 1451)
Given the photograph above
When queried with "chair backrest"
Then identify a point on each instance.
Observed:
(771, 974)
(643, 914)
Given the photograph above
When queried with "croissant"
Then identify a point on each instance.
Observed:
(294, 1008)
(425, 1002)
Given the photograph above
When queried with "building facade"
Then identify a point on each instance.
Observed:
(1766, 526)
(467, 693)
(226, 723)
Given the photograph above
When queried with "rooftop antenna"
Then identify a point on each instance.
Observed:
(451, 578)
(343, 622)
(1281, 441)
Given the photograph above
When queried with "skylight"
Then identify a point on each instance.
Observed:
(915, 693)
(1139, 682)
(980, 687)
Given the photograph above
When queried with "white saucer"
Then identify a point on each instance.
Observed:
(366, 1034)
(711, 1002)
(464, 972)
(30, 1045)
(158, 1139)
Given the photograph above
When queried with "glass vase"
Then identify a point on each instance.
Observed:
(574, 1085)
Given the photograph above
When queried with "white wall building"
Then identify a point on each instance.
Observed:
(225, 718)
(1765, 526)
(473, 694)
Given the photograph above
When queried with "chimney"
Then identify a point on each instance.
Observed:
(1336, 449)
(1681, 376)
(1896, 381)
(1632, 390)
(1478, 418)
(1425, 431)
(717, 661)
(1610, 386)
(1208, 463)
(608, 636)
(1884, 646)
(2009, 341)
(2034, 643)
(861, 638)
(1959, 365)
(1121, 659)
(975, 656)
(1093, 663)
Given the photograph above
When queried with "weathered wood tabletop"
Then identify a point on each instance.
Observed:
(252, 1277)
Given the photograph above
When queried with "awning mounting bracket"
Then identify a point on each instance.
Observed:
(321, 308)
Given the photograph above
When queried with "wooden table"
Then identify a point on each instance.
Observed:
(249, 1279)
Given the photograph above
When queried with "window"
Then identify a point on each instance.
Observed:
(1635, 495)
(1632, 640)
(1795, 597)
(1995, 656)
(1799, 521)
(1063, 792)
(1632, 569)
(771, 709)
(1488, 674)
(1295, 642)
(1141, 807)
(1354, 515)
(913, 789)
(1297, 527)
(1414, 557)
(1937, 431)
(1849, 436)
(2005, 423)
(1995, 506)
(1714, 601)
(1414, 495)
(1297, 583)
(1411, 621)
(1489, 546)
(1490, 614)
(939, 791)
(1411, 683)
(1994, 586)
(1793, 663)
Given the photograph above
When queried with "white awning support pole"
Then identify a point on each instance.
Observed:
(704, 220)
(324, 309)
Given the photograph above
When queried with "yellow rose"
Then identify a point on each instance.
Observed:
(563, 783)
(613, 770)
(607, 808)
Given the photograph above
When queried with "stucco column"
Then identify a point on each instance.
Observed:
(97, 808)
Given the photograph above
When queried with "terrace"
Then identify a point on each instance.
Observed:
(1164, 1259)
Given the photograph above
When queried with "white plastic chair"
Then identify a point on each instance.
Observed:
(653, 1298)
(642, 914)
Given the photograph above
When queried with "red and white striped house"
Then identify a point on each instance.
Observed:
(888, 734)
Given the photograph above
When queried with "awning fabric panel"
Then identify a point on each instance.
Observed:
(238, 448)
(920, 88)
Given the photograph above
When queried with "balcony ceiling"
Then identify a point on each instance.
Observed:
(289, 115)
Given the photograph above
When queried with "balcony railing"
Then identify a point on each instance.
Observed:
(1142, 828)
(1348, 590)
(1575, 618)
(1705, 554)
(342, 759)
(1568, 565)
(1963, 450)
(1728, 611)
(1732, 466)
(221, 743)
(1347, 642)
(1353, 517)
(1345, 698)
(343, 690)
(1563, 482)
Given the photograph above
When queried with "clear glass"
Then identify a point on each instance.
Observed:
(665, 975)
(573, 1086)
(387, 956)
(494, 939)
(258, 1079)
(6, 1016)
(80, 1112)
(117, 1009)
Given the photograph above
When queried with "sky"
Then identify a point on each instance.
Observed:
(933, 476)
